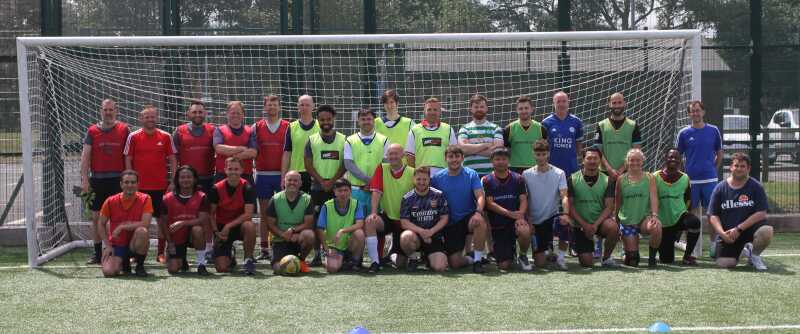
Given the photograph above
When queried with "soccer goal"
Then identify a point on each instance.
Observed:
(62, 81)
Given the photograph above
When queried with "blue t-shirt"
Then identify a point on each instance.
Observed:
(563, 137)
(459, 191)
(699, 147)
(322, 221)
(733, 206)
(505, 193)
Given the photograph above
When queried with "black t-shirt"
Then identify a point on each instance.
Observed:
(249, 194)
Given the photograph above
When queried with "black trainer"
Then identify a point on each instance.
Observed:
(93, 260)
(140, 272)
(412, 265)
(374, 268)
(477, 268)
(201, 270)
(184, 265)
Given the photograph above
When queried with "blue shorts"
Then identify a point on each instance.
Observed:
(267, 185)
(364, 197)
(122, 251)
(629, 230)
(701, 193)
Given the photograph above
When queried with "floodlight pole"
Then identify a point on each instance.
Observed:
(564, 24)
(755, 87)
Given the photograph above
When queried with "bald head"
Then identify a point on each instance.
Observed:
(616, 102)
(305, 105)
(148, 117)
(561, 102)
(292, 181)
(108, 111)
(394, 155)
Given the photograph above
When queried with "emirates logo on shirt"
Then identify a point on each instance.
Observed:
(329, 155)
(431, 141)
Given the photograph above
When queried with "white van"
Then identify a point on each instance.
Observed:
(741, 138)
(786, 119)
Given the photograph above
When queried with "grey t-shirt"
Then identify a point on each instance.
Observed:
(544, 197)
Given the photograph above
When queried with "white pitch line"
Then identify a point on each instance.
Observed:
(780, 255)
(633, 330)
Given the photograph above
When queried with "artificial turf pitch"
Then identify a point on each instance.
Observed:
(66, 296)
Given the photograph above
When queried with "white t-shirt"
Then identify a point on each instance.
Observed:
(544, 197)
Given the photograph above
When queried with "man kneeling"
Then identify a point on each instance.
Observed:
(423, 215)
(340, 228)
(290, 219)
(125, 217)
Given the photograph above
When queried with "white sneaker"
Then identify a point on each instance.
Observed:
(561, 263)
(609, 263)
(758, 262)
(747, 253)
(524, 263)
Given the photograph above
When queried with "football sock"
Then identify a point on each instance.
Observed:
(372, 249)
(98, 249)
(201, 257)
(476, 256)
(162, 244)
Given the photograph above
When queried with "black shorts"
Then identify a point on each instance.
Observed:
(391, 227)
(436, 245)
(319, 197)
(280, 249)
(157, 196)
(735, 249)
(224, 248)
(103, 189)
(504, 241)
(180, 252)
(455, 236)
(544, 235)
(306, 186)
(582, 243)
(206, 183)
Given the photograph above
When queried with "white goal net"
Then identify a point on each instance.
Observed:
(63, 80)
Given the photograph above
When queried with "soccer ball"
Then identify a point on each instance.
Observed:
(289, 265)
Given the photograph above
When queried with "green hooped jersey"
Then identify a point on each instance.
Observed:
(366, 157)
(397, 134)
(299, 140)
(635, 200)
(522, 143)
(429, 145)
(671, 204)
(327, 158)
(589, 201)
(394, 189)
(336, 222)
(286, 216)
(617, 142)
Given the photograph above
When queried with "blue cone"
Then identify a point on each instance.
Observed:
(358, 330)
(659, 327)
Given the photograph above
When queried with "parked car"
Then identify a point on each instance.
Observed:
(786, 119)
(741, 140)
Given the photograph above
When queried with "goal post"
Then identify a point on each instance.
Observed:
(62, 81)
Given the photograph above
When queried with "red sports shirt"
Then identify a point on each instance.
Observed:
(178, 210)
(149, 155)
(197, 152)
(107, 147)
(121, 211)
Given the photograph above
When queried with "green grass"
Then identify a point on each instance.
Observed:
(65, 296)
(783, 196)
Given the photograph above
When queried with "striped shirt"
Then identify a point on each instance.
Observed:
(485, 132)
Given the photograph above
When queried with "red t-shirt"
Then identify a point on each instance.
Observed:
(181, 209)
(120, 210)
(197, 152)
(270, 145)
(376, 182)
(107, 146)
(149, 155)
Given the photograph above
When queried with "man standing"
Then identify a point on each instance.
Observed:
(363, 152)
(507, 203)
(235, 139)
(324, 155)
(232, 203)
(270, 133)
(465, 197)
(147, 151)
(701, 145)
(390, 182)
(290, 219)
(393, 125)
(738, 214)
(520, 135)
(297, 139)
(194, 144)
(615, 136)
(103, 157)
(479, 138)
(124, 219)
(340, 228)
(591, 205)
(564, 134)
(550, 184)
(428, 140)
(423, 216)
